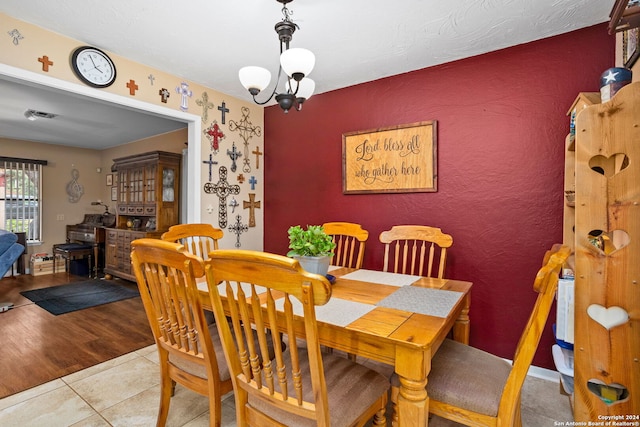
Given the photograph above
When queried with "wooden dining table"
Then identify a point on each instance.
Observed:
(396, 319)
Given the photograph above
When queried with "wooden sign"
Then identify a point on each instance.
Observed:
(397, 159)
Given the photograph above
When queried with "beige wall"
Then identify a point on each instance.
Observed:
(55, 177)
(38, 41)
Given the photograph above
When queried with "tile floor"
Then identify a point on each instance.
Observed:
(125, 392)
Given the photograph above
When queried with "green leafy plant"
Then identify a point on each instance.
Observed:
(310, 242)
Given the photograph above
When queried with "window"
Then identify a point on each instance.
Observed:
(20, 202)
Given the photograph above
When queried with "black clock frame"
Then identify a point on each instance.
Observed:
(78, 74)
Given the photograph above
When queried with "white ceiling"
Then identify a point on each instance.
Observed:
(354, 41)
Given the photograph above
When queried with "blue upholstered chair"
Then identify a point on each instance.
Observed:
(10, 251)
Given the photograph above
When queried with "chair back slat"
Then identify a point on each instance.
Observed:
(350, 239)
(198, 239)
(410, 243)
(262, 295)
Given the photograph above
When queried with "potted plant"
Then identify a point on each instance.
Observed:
(313, 248)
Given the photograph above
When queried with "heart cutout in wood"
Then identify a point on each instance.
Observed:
(609, 242)
(608, 393)
(608, 317)
(609, 166)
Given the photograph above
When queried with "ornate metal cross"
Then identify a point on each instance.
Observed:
(251, 204)
(234, 204)
(222, 189)
(206, 106)
(235, 155)
(238, 228)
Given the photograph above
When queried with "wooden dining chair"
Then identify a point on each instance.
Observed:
(347, 236)
(412, 248)
(189, 349)
(198, 239)
(476, 388)
(301, 387)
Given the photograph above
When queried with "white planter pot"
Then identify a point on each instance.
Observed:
(314, 264)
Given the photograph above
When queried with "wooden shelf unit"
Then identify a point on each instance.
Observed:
(607, 253)
(147, 205)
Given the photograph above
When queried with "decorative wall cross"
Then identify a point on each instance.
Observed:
(238, 228)
(234, 204)
(245, 128)
(235, 155)
(164, 94)
(185, 94)
(151, 79)
(222, 189)
(251, 204)
(210, 162)
(253, 181)
(258, 153)
(241, 178)
(214, 134)
(206, 106)
(133, 87)
(15, 35)
(45, 63)
(223, 109)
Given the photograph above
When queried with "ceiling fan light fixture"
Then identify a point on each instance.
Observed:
(296, 63)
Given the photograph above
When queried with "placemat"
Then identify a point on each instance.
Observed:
(222, 288)
(337, 312)
(382, 277)
(432, 302)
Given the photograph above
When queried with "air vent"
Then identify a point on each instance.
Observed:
(34, 114)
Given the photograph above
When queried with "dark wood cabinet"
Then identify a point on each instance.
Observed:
(147, 205)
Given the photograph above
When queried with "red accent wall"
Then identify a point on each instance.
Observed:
(501, 129)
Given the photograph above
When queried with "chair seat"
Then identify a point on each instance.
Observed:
(198, 369)
(466, 377)
(351, 389)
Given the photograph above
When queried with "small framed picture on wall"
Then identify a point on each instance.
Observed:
(109, 179)
(630, 46)
(114, 193)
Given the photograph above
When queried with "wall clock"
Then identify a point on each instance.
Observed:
(93, 66)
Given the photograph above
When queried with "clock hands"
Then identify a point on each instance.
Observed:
(94, 64)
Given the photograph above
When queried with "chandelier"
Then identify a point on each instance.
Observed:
(296, 63)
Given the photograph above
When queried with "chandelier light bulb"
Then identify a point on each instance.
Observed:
(254, 79)
(297, 62)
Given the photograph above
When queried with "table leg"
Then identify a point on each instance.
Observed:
(412, 408)
(462, 324)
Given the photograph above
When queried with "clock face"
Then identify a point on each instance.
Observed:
(93, 67)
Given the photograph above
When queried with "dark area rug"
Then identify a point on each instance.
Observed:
(79, 295)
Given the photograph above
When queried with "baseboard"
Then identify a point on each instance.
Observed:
(542, 373)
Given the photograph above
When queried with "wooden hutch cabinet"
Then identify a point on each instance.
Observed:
(147, 205)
